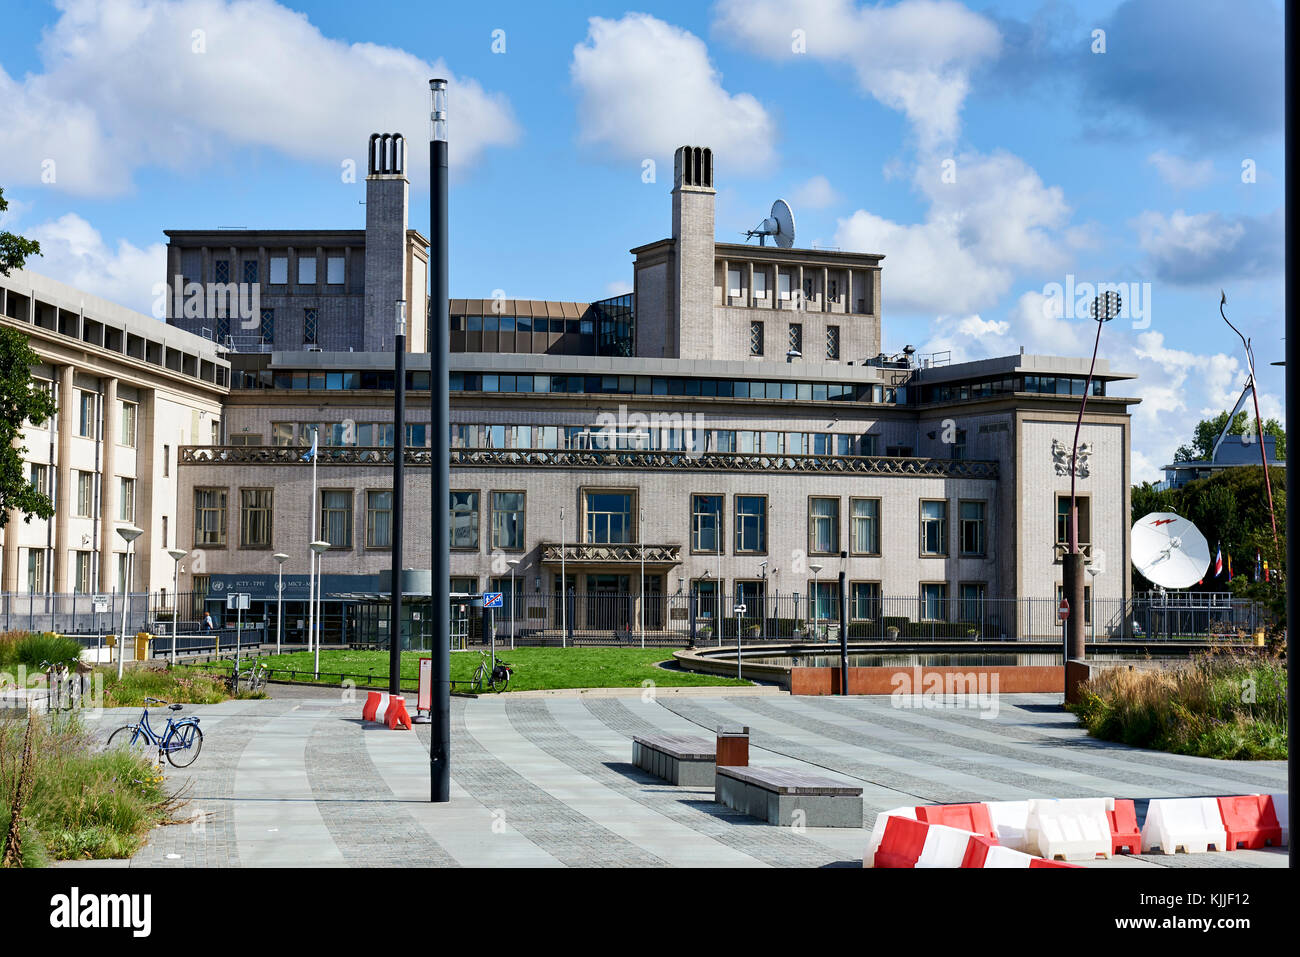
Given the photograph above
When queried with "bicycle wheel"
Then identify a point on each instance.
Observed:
(499, 684)
(185, 746)
(129, 737)
(476, 683)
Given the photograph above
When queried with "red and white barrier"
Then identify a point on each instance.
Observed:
(878, 832)
(384, 708)
(1072, 828)
(1193, 824)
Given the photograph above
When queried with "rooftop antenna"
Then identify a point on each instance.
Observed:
(779, 225)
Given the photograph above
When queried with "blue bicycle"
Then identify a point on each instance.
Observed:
(180, 741)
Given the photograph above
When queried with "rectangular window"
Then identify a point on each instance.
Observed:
(268, 325)
(864, 601)
(279, 270)
(35, 570)
(464, 520)
(751, 524)
(123, 569)
(126, 500)
(306, 270)
(833, 342)
(250, 270)
(40, 478)
(796, 337)
(823, 526)
(221, 271)
(1063, 519)
(282, 433)
(126, 435)
(934, 528)
(970, 599)
(86, 423)
(164, 531)
(972, 528)
(508, 521)
(704, 592)
(81, 572)
(833, 291)
(734, 289)
(934, 601)
(755, 338)
(864, 526)
(209, 518)
(379, 519)
(609, 518)
(824, 599)
(85, 494)
(255, 509)
(783, 285)
(334, 270)
(167, 460)
(336, 517)
(760, 283)
(244, 440)
(706, 523)
(753, 595)
(309, 326)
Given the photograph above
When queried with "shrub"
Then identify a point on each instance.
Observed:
(31, 648)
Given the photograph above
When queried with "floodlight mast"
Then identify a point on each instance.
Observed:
(1259, 424)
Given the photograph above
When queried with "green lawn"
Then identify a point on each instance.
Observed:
(535, 668)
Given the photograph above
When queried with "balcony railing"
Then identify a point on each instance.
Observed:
(598, 459)
(617, 554)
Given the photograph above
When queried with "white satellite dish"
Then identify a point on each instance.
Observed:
(1169, 550)
(779, 225)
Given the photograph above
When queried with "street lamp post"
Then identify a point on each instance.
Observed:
(816, 596)
(513, 563)
(177, 554)
(399, 484)
(1104, 308)
(640, 603)
(318, 549)
(564, 582)
(280, 559)
(440, 458)
(129, 534)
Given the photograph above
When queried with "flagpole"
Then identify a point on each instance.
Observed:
(311, 573)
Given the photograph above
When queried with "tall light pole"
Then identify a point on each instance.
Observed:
(177, 554)
(318, 550)
(399, 483)
(640, 604)
(129, 534)
(816, 570)
(1259, 423)
(1104, 308)
(513, 563)
(280, 559)
(440, 457)
(564, 586)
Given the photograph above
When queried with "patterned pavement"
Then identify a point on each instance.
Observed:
(546, 781)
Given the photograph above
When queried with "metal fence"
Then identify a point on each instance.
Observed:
(86, 614)
(624, 619)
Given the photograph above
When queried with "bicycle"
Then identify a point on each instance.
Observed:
(179, 739)
(255, 678)
(496, 678)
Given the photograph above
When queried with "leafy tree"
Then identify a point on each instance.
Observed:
(19, 399)
(1207, 433)
(14, 249)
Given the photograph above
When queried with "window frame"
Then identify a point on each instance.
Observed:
(244, 512)
(370, 524)
(852, 518)
(134, 418)
(943, 600)
(853, 603)
(737, 524)
(720, 533)
(839, 510)
(523, 522)
(634, 512)
(478, 520)
(983, 526)
(944, 530)
(351, 520)
(223, 511)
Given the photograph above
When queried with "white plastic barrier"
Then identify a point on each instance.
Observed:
(1010, 823)
(1193, 824)
(999, 856)
(878, 832)
(1280, 809)
(944, 847)
(1072, 828)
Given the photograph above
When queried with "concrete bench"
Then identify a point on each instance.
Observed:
(678, 759)
(775, 795)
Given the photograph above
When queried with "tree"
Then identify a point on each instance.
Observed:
(1207, 433)
(20, 400)
(14, 249)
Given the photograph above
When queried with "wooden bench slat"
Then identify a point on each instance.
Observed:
(680, 746)
(784, 781)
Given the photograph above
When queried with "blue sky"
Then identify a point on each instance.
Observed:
(989, 150)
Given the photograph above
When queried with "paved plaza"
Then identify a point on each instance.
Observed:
(546, 780)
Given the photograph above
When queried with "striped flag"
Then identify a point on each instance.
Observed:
(1229, 566)
(1259, 571)
(311, 454)
(1266, 569)
(1218, 561)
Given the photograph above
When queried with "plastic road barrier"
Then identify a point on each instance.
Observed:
(964, 817)
(1280, 808)
(1073, 828)
(944, 846)
(878, 832)
(985, 852)
(1250, 820)
(1193, 824)
(1124, 828)
(395, 715)
(1010, 823)
(903, 842)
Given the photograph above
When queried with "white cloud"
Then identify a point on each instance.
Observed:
(1204, 248)
(619, 287)
(816, 193)
(123, 88)
(74, 252)
(915, 56)
(1181, 173)
(646, 87)
(993, 220)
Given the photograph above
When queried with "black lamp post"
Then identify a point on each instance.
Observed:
(399, 484)
(1104, 308)
(439, 453)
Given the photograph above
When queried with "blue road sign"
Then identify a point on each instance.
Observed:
(492, 599)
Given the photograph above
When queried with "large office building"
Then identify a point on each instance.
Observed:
(131, 393)
(730, 428)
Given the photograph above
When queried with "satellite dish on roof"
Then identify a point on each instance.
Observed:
(1169, 550)
(779, 225)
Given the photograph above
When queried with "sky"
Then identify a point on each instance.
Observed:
(1001, 156)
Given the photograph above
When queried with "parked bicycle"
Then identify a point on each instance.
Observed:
(181, 740)
(496, 678)
(254, 678)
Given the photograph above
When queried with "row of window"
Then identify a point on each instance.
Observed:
(257, 507)
(83, 504)
(794, 337)
(279, 271)
(266, 327)
(82, 564)
(1006, 385)
(786, 286)
(87, 406)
